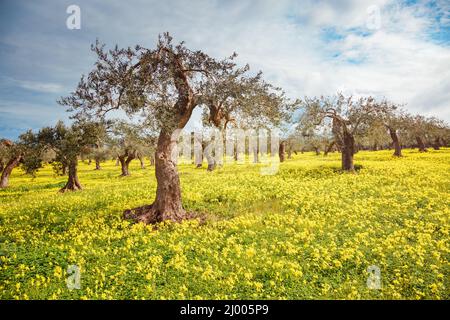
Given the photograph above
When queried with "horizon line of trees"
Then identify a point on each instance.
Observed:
(63, 146)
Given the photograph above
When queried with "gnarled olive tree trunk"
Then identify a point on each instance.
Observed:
(200, 147)
(289, 153)
(73, 183)
(256, 153)
(282, 151)
(125, 163)
(210, 157)
(348, 150)
(167, 204)
(6, 173)
(329, 148)
(437, 144)
(97, 165)
(141, 160)
(420, 144)
(198, 161)
(395, 142)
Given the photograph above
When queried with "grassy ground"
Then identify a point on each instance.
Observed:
(307, 232)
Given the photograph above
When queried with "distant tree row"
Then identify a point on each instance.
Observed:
(63, 146)
(349, 124)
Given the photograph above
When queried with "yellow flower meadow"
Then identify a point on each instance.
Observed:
(307, 232)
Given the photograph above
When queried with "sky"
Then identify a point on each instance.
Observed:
(394, 49)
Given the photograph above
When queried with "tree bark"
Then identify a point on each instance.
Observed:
(235, 153)
(348, 150)
(436, 144)
(395, 142)
(123, 166)
(141, 160)
(420, 144)
(256, 154)
(6, 173)
(289, 153)
(125, 163)
(209, 157)
(198, 152)
(167, 204)
(328, 148)
(281, 151)
(73, 183)
(211, 162)
(97, 165)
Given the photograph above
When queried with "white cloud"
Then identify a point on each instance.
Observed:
(40, 86)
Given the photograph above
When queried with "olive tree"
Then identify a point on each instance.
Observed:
(316, 139)
(347, 117)
(376, 137)
(424, 131)
(24, 152)
(242, 101)
(128, 142)
(163, 84)
(394, 119)
(10, 156)
(100, 153)
(68, 143)
(436, 131)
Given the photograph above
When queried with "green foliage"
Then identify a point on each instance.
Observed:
(128, 139)
(59, 145)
